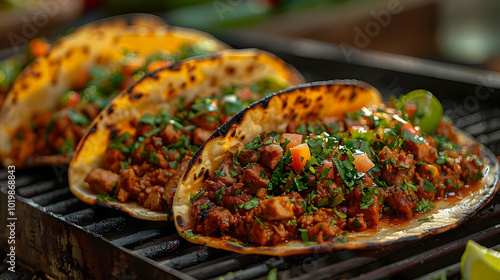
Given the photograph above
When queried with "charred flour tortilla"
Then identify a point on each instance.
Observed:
(137, 147)
(231, 196)
(57, 95)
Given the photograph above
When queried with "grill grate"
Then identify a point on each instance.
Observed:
(95, 242)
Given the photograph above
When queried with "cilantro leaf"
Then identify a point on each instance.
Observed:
(424, 205)
(428, 186)
(148, 119)
(78, 118)
(415, 139)
(254, 202)
(197, 196)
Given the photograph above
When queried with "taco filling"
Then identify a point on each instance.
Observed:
(58, 131)
(325, 178)
(147, 166)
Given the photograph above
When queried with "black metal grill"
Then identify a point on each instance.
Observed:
(65, 238)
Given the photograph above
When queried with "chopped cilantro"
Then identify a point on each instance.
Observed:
(305, 237)
(233, 172)
(428, 186)
(339, 214)
(211, 118)
(78, 118)
(68, 146)
(356, 223)
(232, 104)
(260, 222)
(106, 197)
(413, 138)
(301, 129)
(198, 195)
(441, 159)
(235, 158)
(342, 239)
(207, 206)
(153, 157)
(220, 195)
(478, 161)
(323, 202)
(190, 234)
(477, 176)
(254, 202)
(219, 172)
(426, 218)
(256, 142)
(410, 186)
(148, 119)
(424, 205)
(123, 165)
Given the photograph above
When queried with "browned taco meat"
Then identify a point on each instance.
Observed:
(322, 178)
(327, 177)
(146, 167)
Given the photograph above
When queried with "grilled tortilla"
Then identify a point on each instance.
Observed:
(327, 193)
(134, 152)
(57, 95)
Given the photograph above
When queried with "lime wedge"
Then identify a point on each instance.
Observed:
(480, 263)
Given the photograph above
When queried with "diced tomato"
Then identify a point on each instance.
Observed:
(73, 99)
(39, 47)
(408, 127)
(362, 162)
(300, 155)
(133, 66)
(327, 164)
(244, 94)
(295, 140)
(157, 64)
(410, 109)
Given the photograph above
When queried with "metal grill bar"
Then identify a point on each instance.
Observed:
(477, 117)
(79, 217)
(138, 238)
(161, 250)
(65, 206)
(221, 267)
(107, 225)
(193, 258)
(52, 197)
(36, 189)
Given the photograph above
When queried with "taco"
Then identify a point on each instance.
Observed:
(326, 166)
(138, 147)
(56, 97)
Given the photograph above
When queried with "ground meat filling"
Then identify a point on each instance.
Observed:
(325, 178)
(146, 167)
